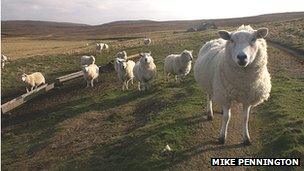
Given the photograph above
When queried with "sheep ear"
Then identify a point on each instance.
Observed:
(149, 53)
(261, 32)
(141, 54)
(225, 34)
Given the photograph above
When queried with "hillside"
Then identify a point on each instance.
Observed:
(53, 30)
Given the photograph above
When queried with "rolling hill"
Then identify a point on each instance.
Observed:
(56, 30)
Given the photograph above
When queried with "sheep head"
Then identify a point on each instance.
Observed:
(242, 44)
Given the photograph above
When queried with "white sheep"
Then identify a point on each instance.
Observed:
(90, 73)
(147, 41)
(33, 80)
(99, 47)
(178, 64)
(4, 60)
(125, 72)
(234, 68)
(119, 55)
(87, 60)
(144, 71)
(106, 46)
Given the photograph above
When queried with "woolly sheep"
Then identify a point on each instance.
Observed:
(125, 72)
(106, 46)
(4, 60)
(119, 55)
(178, 64)
(234, 68)
(90, 73)
(33, 80)
(99, 47)
(145, 71)
(87, 60)
(147, 41)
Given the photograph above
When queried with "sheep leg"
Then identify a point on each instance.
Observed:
(27, 90)
(32, 88)
(246, 111)
(139, 86)
(88, 84)
(225, 122)
(209, 108)
(92, 82)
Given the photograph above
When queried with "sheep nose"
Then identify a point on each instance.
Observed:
(146, 60)
(242, 57)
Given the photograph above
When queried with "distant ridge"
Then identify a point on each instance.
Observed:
(53, 30)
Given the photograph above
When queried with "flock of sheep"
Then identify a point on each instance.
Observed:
(231, 68)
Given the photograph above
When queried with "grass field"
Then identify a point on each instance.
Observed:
(105, 128)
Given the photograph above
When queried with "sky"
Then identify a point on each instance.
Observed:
(96, 12)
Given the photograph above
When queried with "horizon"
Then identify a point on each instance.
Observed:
(151, 20)
(96, 12)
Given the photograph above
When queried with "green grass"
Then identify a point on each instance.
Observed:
(89, 129)
(284, 132)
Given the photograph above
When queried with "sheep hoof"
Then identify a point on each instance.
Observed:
(209, 118)
(222, 140)
(247, 142)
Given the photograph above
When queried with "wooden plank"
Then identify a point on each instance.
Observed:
(18, 101)
(68, 77)
(133, 56)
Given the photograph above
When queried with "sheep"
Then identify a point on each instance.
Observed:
(234, 68)
(119, 55)
(33, 80)
(99, 47)
(144, 71)
(87, 60)
(125, 72)
(90, 73)
(122, 55)
(4, 60)
(178, 64)
(106, 46)
(147, 41)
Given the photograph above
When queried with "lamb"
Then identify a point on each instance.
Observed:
(122, 55)
(4, 60)
(33, 80)
(234, 68)
(147, 41)
(119, 55)
(125, 72)
(145, 71)
(90, 73)
(87, 60)
(178, 64)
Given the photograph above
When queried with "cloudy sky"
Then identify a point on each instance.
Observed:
(102, 11)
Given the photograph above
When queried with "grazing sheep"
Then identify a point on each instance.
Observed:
(147, 41)
(87, 60)
(4, 60)
(234, 68)
(33, 80)
(90, 73)
(119, 55)
(178, 64)
(144, 71)
(106, 46)
(99, 47)
(125, 72)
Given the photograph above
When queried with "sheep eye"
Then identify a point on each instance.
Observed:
(231, 40)
(253, 39)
